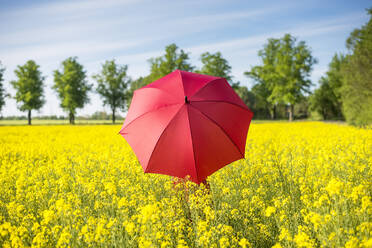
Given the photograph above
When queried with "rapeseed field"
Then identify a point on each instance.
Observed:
(305, 184)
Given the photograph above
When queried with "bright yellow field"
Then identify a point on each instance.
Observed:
(301, 185)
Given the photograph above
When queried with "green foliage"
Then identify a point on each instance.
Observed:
(112, 85)
(99, 115)
(136, 84)
(161, 66)
(170, 61)
(71, 86)
(263, 108)
(29, 87)
(356, 91)
(326, 100)
(323, 100)
(334, 76)
(2, 91)
(247, 96)
(301, 108)
(285, 70)
(215, 65)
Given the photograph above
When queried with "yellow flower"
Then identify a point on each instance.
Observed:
(130, 227)
(353, 242)
(48, 216)
(244, 243)
(224, 242)
(366, 202)
(334, 186)
(72, 185)
(332, 235)
(269, 211)
(277, 245)
(367, 243)
(284, 234)
(303, 240)
(64, 238)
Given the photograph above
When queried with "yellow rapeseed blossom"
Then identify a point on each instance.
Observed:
(301, 184)
(269, 211)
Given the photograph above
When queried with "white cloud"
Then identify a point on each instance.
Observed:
(67, 8)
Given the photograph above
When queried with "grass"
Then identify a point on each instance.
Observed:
(94, 122)
(55, 122)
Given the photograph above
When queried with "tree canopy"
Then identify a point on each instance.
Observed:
(215, 65)
(326, 100)
(29, 87)
(112, 85)
(2, 91)
(173, 59)
(71, 86)
(356, 90)
(285, 70)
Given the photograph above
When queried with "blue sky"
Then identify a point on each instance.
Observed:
(132, 31)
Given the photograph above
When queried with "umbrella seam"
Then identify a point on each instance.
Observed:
(192, 143)
(147, 113)
(215, 123)
(206, 85)
(184, 93)
(157, 142)
(245, 108)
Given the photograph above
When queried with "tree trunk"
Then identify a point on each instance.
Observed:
(273, 113)
(113, 116)
(72, 118)
(290, 110)
(29, 117)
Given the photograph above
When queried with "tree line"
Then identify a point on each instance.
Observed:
(281, 81)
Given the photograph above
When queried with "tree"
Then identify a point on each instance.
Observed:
(247, 96)
(100, 115)
(112, 84)
(262, 91)
(161, 66)
(265, 78)
(301, 108)
(2, 91)
(215, 65)
(170, 61)
(29, 87)
(335, 78)
(323, 100)
(326, 100)
(356, 91)
(136, 84)
(263, 108)
(71, 86)
(285, 71)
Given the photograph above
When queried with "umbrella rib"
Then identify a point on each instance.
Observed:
(181, 82)
(157, 142)
(149, 112)
(192, 143)
(228, 136)
(205, 85)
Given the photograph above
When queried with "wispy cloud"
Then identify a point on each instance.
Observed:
(67, 8)
(301, 31)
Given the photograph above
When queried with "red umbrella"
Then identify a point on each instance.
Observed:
(187, 124)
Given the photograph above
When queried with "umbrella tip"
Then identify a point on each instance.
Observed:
(186, 100)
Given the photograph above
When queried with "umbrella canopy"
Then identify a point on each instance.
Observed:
(187, 124)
